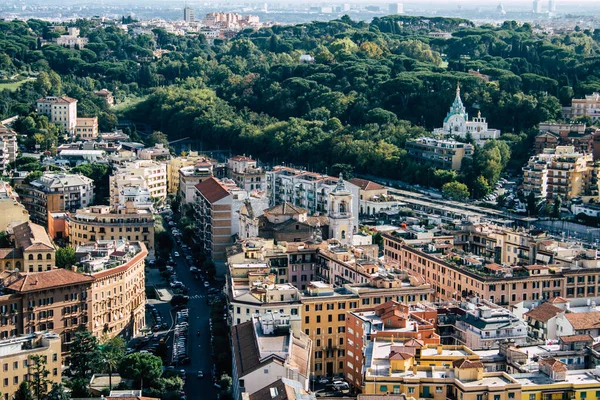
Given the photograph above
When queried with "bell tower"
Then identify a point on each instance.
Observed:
(341, 221)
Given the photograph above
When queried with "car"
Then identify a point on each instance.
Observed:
(156, 328)
(323, 379)
(176, 254)
(200, 374)
(206, 284)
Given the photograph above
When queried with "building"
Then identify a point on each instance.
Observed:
(118, 294)
(341, 220)
(36, 247)
(190, 176)
(542, 320)
(537, 6)
(264, 350)
(444, 154)
(72, 39)
(244, 171)
(552, 135)
(87, 128)
(56, 300)
(308, 190)
(282, 389)
(16, 358)
(399, 322)
(144, 173)
(374, 199)
(101, 223)
(106, 95)
(457, 123)
(588, 106)
(9, 146)
(55, 193)
(176, 163)
(11, 210)
(188, 15)
(156, 153)
(396, 8)
(561, 172)
(61, 111)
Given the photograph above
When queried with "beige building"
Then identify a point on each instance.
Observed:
(87, 128)
(145, 173)
(106, 223)
(244, 171)
(61, 111)
(190, 176)
(16, 362)
(589, 105)
(10, 138)
(118, 293)
(11, 210)
(445, 154)
(561, 172)
(176, 163)
(106, 95)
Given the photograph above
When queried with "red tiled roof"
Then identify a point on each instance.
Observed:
(400, 356)
(241, 158)
(285, 208)
(245, 349)
(554, 364)
(49, 279)
(576, 338)
(364, 184)
(544, 312)
(584, 320)
(558, 300)
(212, 190)
(465, 363)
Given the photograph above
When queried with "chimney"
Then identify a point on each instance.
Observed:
(414, 369)
(439, 349)
(73, 268)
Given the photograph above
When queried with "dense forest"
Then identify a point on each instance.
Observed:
(372, 86)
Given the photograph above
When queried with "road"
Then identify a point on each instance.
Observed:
(199, 349)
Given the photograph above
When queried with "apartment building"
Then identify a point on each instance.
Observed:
(61, 111)
(107, 223)
(158, 152)
(9, 137)
(440, 153)
(324, 312)
(16, 361)
(55, 193)
(107, 95)
(144, 173)
(87, 128)
(561, 172)
(56, 300)
(118, 293)
(176, 163)
(374, 198)
(246, 173)
(136, 194)
(190, 176)
(308, 190)
(552, 135)
(588, 106)
(399, 322)
(72, 39)
(11, 210)
(265, 350)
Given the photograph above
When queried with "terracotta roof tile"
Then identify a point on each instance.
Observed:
(364, 184)
(558, 300)
(285, 208)
(465, 363)
(48, 279)
(544, 312)
(576, 338)
(212, 190)
(554, 364)
(241, 158)
(245, 348)
(584, 320)
(277, 390)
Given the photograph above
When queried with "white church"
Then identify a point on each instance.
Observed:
(457, 123)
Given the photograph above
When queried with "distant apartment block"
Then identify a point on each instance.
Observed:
(11, 210)
(176, 163)
(588, 106)
(190, 176)
(61, 111)
(56, 192)
(10, 149)
(396, 8)
(552, 135)
(144, 173)
(188, 15)
(444, 154)
(244, 171)
(87, 128)
(72, 39)
(561, 172)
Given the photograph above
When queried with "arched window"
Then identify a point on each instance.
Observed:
(48, 256)
(343, 234)
(31, 256)
(39, 256)
(343, 207)
(18, 264)
(8, 265)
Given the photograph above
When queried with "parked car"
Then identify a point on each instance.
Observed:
(323, 379)
(206, 284)
(200, 374)
(176, 254)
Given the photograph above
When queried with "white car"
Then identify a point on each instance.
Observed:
(323, 379)
(176, 254)
(206, 284)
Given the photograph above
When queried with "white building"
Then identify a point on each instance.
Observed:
(457, 123)
(152, 174)
(61, 111)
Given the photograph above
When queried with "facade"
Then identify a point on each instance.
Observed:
(118, 294)
(457, 123)
(588, 106)
(15, 358)
(10, 138)
(144, 173)
(445, 154)
(176, 163)
(307, 190)
(341, 220)
(244, 171)
(156, 153)
(87, 128)
(36, 247)
(55, 193)
(190, 176)
(61, 111)
(552, 135)
(561, 172)
(265, 350)
(11, 210)
(106, 95)
(188, 15)
(100, 223)
(396, 8)
(72, 39)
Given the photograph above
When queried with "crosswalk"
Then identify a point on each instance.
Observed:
(197, 296)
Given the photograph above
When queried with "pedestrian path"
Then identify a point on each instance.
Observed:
(198, 296)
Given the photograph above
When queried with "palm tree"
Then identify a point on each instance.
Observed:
(113, 351)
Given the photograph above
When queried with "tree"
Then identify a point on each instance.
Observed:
(85, 354)
(39, 374)
(23, 393)
(556, 207)
(141, 367)
(531, 204)
(112, 352)
(57, 393)
(65, 257)
(455, 191)
(156, 138)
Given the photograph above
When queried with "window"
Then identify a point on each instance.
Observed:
(511, 395)
(411, 390)
(532, 397)
(496, 397)
(582, 395)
